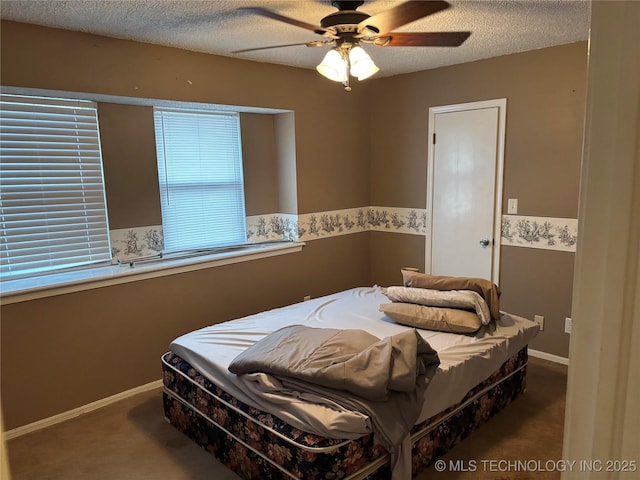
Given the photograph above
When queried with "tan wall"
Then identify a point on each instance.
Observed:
(545, 91)
(62, 352)
(539, 282)
(130, 166)
(260, 164)
(285, 131)
(390, 252)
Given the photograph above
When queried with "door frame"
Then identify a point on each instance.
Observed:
(501, 104)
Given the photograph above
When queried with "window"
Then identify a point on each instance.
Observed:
(52, 201)
(200, 178)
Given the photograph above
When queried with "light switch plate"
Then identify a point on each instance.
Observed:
(568, 324)
(512, 206)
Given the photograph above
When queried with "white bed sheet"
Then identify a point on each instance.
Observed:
(465, 360)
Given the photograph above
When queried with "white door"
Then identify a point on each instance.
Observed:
(465, 189)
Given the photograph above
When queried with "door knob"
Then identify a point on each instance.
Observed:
(484, 243)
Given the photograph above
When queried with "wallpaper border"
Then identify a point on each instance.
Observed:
(136, 242)
(341, 222)
(547, 233)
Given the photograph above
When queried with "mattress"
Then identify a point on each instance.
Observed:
(466, 360)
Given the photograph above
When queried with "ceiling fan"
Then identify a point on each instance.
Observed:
(345, 29)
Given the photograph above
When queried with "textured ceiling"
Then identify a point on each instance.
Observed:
(498, 27)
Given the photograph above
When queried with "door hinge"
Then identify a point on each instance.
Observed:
(434, 138)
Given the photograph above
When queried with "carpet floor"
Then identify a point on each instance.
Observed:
(130, 440)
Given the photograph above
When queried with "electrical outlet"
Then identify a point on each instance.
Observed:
(539, 319)
(568, 325)
(307, 298)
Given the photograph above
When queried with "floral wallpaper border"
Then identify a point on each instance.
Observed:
(136, 242)
(312, 226)
(547, 233)
(341, 222)
(272, 227)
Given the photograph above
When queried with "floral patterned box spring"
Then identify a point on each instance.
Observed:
(258, 445)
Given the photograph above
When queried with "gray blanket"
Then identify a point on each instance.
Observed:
(384, 379)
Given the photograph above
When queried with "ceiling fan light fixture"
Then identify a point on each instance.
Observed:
(348, 27)
(361, 64)
(334, 66)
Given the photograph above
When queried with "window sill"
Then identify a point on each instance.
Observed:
(25, 289)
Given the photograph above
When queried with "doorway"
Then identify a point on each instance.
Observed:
(464, 189)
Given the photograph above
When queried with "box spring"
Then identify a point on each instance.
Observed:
(258, 445)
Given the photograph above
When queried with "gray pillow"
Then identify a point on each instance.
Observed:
(432, 318)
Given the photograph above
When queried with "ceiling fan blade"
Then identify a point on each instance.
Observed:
(316, 43)
(425, 39)
(407, 12)
(291, 21)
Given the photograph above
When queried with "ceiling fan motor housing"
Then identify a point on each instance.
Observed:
(347, 4)
(348, 19)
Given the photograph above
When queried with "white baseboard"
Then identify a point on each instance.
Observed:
(549, 356)
(61, 417)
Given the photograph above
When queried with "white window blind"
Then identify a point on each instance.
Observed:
(52, 201)
(200, 177)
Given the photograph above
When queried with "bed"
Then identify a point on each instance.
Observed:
(263, 433)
